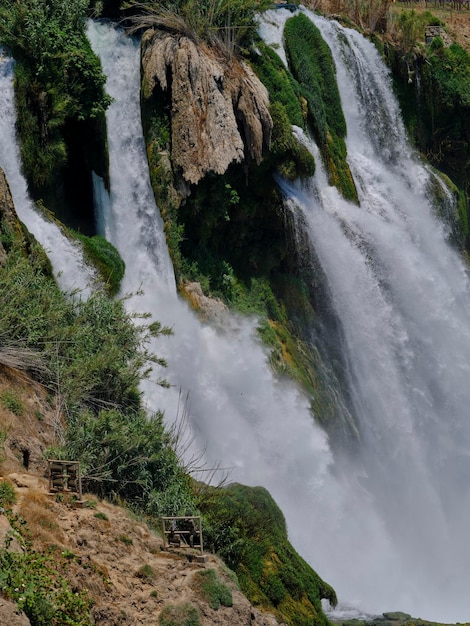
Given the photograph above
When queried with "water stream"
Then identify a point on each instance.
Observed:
(69, 266)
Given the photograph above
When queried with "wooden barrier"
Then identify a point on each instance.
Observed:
(65, 476)
(182, 532)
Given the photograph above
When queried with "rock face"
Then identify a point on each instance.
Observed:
(219, 109)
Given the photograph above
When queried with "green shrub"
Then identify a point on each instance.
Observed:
(101, 516)
(58, 78)
(32, 581)
(7, 494)
(10, 401)
(215, 592)
(146, 572)
(179, 615)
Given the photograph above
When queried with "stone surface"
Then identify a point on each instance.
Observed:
(220, 109)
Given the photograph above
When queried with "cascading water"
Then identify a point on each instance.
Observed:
(239, 413)
(389, 533)
(70, 269)
(402, 295)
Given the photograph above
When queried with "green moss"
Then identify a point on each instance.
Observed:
(104, 256)
(312, 65)
(245, 526)
(281, 85)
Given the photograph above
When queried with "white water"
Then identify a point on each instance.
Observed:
(390, 534)
(70, 270)
(402, 295)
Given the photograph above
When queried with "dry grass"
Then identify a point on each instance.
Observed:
(36, 508)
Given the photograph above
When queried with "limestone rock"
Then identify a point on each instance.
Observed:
(220, 109)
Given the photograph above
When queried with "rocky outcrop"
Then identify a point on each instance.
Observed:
(219, 108)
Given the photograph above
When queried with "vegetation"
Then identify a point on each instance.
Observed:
(36, 582)
(104, 256)
(179, 615)
(228, 25)
(10, 401)
(7, 494)
(215, 592)
(59, 90)
(433, 85)
(312, 65)
(244, 525)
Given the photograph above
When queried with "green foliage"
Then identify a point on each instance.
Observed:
(101, 516)
(7, 494)
(58, 78)
(9, 400)
(128, 456)
(312, 65)
(449, 70)
(31, 579)
(248, 530)
(93, 349)
(278, 80)
(294, 158)
(106, 259)
(179, 615)
(146, 572)
(214, 591)
(227, 24)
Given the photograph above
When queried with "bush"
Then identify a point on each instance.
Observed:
(10, 401)
(58, 78)
(7, 494)
(215, 592)
(146, 573)
(32, 581)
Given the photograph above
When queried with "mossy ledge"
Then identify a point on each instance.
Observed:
(248, 530)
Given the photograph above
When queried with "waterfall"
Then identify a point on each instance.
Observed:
(386, 530)
(401, 293)
(240, 414)
(71, 271)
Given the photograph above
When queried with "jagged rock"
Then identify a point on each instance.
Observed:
(220, 109)
(210, 309)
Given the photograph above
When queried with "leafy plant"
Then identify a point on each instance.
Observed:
(32, 581)
(12, 402)
(58, 78)
(7, 494)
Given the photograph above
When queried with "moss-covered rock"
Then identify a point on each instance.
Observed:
(313, 67)
(246, 527)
